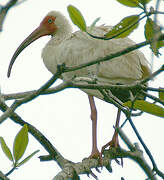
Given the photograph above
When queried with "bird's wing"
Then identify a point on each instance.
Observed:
(81, 48)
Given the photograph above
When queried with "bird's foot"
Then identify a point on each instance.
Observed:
(96, 155)
(115, 144)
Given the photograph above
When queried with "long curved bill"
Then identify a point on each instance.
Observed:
(37, 33)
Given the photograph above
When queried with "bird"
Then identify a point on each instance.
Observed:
(75, 48)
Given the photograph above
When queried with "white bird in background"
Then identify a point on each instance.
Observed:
(77, 48)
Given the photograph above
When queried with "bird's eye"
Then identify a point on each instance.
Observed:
(50, 21)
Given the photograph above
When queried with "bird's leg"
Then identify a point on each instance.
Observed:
(114, 142)
(95, 152)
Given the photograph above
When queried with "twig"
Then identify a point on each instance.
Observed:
(62, 162)
(161, 69)
(4, 10)
(152, 89)
(135, 148)
(147, 14)
(55, 155)
(153, 97)
(112, 55)
(17, 103)
(146, 148)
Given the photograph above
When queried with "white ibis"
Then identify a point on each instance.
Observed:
(77, 48)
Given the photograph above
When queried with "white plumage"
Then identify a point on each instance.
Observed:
(78, 48)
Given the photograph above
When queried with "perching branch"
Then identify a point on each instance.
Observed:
(84, 167)
(61, 69)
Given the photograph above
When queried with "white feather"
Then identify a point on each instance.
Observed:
(78, 48)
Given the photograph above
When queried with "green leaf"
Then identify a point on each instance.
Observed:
(27, 158)
(124, 27)
(20, 143)
(130, 3)
(76, 17)
(146, 107)
(153, 31)
(6, 149)
(94, 23)
(144, 1)
(161, 94)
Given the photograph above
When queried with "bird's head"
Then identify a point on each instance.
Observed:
(51, 24)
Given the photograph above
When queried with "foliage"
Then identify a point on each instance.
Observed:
(145, 106)
(77, 17)
(153, 31)
(19, 148)
(124, 27)
(127, 25)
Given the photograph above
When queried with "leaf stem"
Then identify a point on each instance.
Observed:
(8, 173)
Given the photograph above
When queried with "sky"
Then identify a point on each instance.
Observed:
(64, 118)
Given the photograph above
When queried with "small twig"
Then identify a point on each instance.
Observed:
(109, 57)
(124, 30)
(17, 103)
(153, 97)
(4, 10)
(152, 88)
(114, 102)
(161, 69)
(139, 159)
(146, 148)
(113, 55)
(125, 139)
(8, 173)
(37, 135)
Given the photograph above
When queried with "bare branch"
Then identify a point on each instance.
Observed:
(17, 103)
(71, 84)
(4, 10)
(3, 177)
(85, 166)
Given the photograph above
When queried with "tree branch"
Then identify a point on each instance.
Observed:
(80, 168)
(84, 167)
(17, 103)
(72, 84)
(4, 10)
(3, 177)
(55, 155)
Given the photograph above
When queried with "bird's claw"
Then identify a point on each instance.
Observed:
(115, 144)
(96, 155)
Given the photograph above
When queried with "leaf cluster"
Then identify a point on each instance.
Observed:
(127, 25)
(19, 148)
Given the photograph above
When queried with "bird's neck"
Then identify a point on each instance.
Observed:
(61, 36)
(63, 32)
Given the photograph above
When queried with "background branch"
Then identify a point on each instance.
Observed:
(4, 10)
(80, 168)
(3, 177)
(36, 134)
